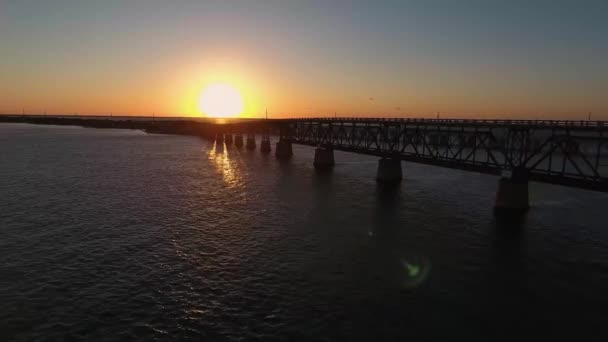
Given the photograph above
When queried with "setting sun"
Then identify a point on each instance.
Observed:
(221, 100)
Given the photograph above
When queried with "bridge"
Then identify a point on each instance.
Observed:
(569, 153)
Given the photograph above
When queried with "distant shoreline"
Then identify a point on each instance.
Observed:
(202, 127)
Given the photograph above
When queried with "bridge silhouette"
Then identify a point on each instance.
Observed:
(569, 153)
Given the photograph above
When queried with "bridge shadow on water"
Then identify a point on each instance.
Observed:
(322, 185)
(397, 248)
(511, 301)
(509, 224)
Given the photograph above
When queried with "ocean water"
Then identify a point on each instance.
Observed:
(122, 235)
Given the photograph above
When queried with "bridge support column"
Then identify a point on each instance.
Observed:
(283, 149)
(265, 145)
(219, 138)
(389, 170)
(238, 140)
(228, 139)
(324, 158)
(251, 142)
(512, 195)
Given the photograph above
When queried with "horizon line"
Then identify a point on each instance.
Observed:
(371, 118)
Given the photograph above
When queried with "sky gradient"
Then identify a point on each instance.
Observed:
(519, 59)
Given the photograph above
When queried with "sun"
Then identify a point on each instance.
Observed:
(221, 100)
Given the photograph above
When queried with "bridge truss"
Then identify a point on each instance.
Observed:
(573, 153)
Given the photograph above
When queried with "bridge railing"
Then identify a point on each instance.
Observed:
(497, 122)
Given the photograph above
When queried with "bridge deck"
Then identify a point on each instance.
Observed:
(573, 153)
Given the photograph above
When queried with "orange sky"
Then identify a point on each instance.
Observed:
(297, 59)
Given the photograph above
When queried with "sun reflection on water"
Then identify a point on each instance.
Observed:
(220, 157)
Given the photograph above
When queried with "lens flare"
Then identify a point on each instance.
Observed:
(417, 270)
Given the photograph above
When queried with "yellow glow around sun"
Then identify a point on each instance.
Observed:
(221, 100)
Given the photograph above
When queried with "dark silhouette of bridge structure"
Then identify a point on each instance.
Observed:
(569, 153)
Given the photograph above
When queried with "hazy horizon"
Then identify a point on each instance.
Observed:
(354, 58)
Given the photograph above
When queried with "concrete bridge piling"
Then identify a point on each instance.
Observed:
(512, 194)
(238, 140)
(324, 158)
(251, 141)
(265, 144)
(228, 138)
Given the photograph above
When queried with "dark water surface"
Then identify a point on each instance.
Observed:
(116, 234)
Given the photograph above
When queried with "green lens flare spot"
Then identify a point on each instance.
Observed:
(415, 271)
(412, 270)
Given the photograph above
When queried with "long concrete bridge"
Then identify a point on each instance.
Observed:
(570, 153)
